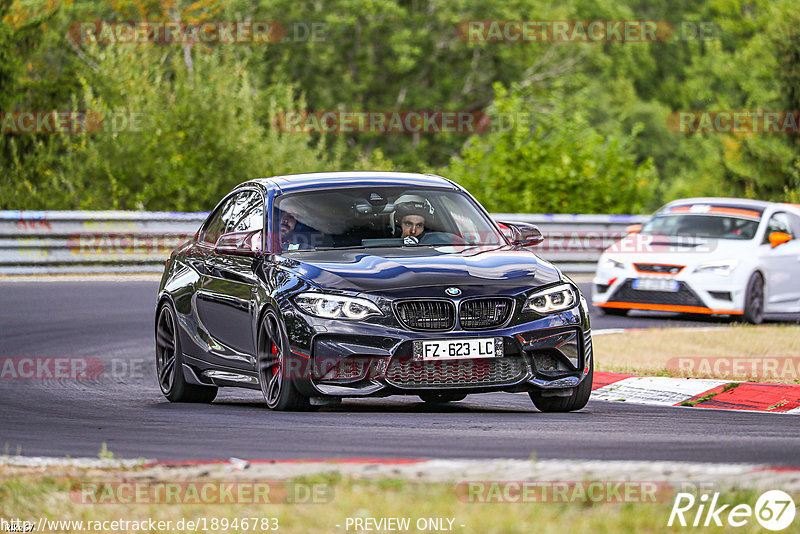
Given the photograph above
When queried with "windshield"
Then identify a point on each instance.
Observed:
(380, 217)
(705, 226)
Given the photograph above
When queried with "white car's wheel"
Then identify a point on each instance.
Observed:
(754, 299)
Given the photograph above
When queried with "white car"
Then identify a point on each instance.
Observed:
(721, 256)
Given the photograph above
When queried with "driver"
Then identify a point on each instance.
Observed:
(412, 217)
(291, 236)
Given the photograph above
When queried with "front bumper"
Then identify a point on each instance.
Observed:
(346, 359)
(697, 293)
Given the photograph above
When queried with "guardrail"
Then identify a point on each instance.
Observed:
(43, 242)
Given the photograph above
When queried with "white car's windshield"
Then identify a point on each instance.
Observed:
(380, 217)
(702, 226)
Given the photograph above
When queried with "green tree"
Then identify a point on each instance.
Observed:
(560, 164)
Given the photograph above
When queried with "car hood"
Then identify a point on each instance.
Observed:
(423, 271)
(641, 248)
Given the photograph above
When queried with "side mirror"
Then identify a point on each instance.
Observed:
(779, 238)
(633, 229)
(523, 234)
(239, 243)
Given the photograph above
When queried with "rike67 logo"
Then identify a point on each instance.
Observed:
(774, 510)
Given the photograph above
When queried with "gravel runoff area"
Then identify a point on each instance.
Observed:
(720, 477)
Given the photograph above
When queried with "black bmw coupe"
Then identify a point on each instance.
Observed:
(317, 287)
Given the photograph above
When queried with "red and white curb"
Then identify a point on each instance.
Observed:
(697, 392)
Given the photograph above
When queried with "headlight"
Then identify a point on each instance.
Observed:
(336, 306)
(611, 263)
(721, 268)
(552, 299)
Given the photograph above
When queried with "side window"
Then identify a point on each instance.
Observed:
(218, 223)
(250, 218)
(779, 222)
(795, 220)
(240, 213)
(249, 215)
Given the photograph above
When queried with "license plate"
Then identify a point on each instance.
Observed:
(656, 284)
(447, 349)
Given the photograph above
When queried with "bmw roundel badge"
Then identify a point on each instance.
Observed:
(453, 291)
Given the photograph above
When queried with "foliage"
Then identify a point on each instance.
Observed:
(559, 164)
(204, 112)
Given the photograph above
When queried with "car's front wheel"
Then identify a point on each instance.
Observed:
(276, 383)
(577, 400)
(754, 299)
(169, 362)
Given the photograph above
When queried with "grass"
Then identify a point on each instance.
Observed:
(709, 396)
(26, 494)
(748, 352)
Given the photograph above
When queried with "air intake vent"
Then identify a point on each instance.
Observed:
(409, 373)
(432, 315)
(658, 268)
(478, 314)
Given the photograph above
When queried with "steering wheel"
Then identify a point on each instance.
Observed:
(441, 238)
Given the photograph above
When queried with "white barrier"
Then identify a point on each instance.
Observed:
(130, 241)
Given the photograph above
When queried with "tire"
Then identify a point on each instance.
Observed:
(617, 312)
(279, 390)
(576, 401)
(169, 362)
(754, 299)
(442, 397)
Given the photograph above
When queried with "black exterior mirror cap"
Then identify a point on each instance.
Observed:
(524, 234)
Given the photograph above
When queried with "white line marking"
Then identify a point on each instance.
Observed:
(656, 390)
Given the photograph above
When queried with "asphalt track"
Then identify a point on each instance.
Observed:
(112, 321)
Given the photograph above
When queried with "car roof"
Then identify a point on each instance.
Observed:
(319, 180)
(755, 207)
(722, 201)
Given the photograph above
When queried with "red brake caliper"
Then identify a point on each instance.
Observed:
(274, 353)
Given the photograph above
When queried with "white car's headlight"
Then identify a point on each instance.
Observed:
(552, 299)
(336, 306)
(721, 268)
(611, 263)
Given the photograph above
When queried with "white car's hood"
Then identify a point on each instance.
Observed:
(644, 248)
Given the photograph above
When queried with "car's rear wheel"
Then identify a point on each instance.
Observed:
(276, 384)
(169, 362)
(577, 400)
(437, 397)
(754, 299)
